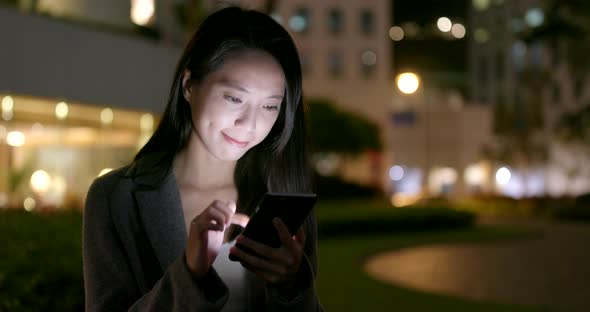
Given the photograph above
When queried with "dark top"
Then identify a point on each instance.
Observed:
(133, 249)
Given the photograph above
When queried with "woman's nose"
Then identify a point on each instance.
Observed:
(247, 119)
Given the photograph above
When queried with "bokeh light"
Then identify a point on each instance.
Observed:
(29, 204)
(142, 11)
(503, 176)
(396, 173)
(106, 116)
(146, 122)
(408, 83)
(40, 181)
(15, 138)
(105, 171)
(396, 33)
(444, 24)
(458, 31)
(61, 110)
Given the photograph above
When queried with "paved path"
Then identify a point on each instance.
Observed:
(552, 270)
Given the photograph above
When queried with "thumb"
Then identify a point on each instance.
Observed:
(232, 205)
(300, 236)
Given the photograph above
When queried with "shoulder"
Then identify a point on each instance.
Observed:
(108, 193)
(107, 182)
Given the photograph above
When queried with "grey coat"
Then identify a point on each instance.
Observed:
(133, 250)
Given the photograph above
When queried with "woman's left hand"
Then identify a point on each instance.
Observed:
(279, 265)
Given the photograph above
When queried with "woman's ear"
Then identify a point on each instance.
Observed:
(186, 85)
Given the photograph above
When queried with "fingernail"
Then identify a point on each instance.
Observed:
(275, 221)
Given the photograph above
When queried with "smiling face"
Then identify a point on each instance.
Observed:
(235, 107)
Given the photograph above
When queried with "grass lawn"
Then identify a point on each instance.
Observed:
(343, 286)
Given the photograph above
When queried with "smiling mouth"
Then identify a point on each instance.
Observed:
(233, 141)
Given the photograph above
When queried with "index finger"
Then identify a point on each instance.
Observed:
(239, 219)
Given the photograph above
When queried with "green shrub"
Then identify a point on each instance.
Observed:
(346, 219)
(41, 262)
(577, 209)
(337, 188)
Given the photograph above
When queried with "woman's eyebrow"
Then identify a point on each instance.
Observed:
(236, 86)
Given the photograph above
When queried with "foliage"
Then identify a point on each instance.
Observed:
(567, 32)
(354, 218)
(518, 123)
(336, 187)
(575, 126)
(41, 262)
(334, 130)
(577, 210)
(12, 3)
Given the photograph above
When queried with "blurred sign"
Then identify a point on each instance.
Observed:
(406, 118)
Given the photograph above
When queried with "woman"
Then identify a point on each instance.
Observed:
(157, 233)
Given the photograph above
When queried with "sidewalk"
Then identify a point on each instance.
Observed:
(551, 270)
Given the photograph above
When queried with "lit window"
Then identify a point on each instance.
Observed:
(481, 5)
(556, 94)
(335, 63)
(335, 21)
(537, 55)
(534, 17)
(481, 35)
(441, 180)
(499, 65)
(299, 22)
(483, 71)
(516, 25)
(518, 53)
(368, 61)
(367, 22)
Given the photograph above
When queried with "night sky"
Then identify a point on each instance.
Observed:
(434, 57)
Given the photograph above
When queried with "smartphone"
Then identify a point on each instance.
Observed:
(291, 208)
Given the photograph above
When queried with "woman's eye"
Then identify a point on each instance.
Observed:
(232, 99)
(271, 107)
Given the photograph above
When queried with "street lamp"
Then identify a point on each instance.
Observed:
(408, 82)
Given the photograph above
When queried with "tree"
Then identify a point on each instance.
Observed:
(338, 131)
(566, 33)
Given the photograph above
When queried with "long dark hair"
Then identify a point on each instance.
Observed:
(280, 162)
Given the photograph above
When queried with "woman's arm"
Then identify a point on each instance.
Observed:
(109, 282)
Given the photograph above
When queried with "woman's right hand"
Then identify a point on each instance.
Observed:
(206, 234)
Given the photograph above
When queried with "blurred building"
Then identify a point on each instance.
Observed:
(509, 73)
(438, 139)
(438, 134)
(494, 129)
(81, 89)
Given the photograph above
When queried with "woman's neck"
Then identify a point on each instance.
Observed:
(197, 168)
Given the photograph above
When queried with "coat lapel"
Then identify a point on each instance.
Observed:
(160, 211)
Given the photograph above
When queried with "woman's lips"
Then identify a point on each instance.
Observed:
(234, 141)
